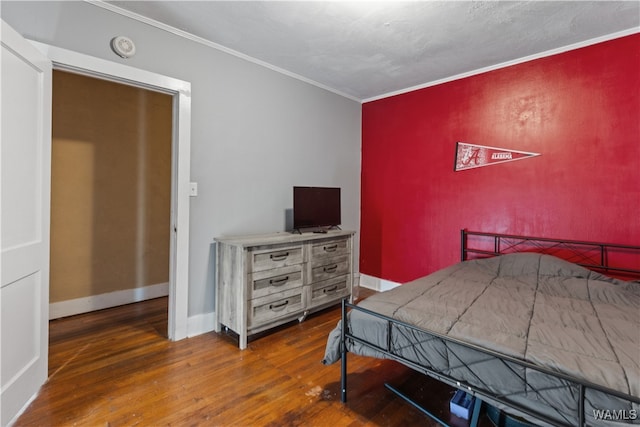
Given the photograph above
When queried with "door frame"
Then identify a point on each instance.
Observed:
(70, 61)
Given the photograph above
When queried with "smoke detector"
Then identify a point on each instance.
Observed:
(123, 46)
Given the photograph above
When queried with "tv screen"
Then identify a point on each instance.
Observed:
(316, 207)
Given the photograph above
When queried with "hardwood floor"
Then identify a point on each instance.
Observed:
(115, 367)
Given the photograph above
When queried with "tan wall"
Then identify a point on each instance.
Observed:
(111, 187)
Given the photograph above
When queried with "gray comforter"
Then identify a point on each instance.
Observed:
(533, 307)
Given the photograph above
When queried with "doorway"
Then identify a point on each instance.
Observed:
(180, 91)
(110, 194)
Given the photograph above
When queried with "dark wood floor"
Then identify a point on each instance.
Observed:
(115, 367)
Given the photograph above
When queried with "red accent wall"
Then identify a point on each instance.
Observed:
(579, 109)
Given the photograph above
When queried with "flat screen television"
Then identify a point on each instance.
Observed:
(316, 207)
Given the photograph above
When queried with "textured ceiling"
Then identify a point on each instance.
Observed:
(368, 49)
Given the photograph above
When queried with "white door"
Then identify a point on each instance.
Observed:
(25, 122)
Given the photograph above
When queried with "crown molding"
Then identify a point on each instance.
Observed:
(208, 43)
(192, 37)
(509, 63)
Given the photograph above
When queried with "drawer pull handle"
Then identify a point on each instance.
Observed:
(280, 306)
(329, 290)
(331, 248)
(331, 269)
(279, 282)
(279, 257)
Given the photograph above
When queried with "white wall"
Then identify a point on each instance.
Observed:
(255, 132)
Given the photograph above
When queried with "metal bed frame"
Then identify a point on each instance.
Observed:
(615, 259)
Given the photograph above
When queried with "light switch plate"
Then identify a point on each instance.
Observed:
(193, 189)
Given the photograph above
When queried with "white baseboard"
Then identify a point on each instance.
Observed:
(376, 284)
(110, 299)
(204, 323)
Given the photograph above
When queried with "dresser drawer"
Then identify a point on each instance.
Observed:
(268, 282)
(266, 309)
(330, 248)
(323, 269)
(274, 258)
(329, 290)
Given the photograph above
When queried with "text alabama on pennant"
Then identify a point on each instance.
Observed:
(469, 156)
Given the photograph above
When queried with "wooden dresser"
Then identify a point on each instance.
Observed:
(263, 281)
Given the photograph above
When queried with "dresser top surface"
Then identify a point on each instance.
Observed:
(281, 237)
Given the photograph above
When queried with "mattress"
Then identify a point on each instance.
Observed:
(532, 307)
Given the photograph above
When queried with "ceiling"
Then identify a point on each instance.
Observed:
(366, 50)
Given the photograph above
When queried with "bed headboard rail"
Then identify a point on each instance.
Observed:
(614, 259)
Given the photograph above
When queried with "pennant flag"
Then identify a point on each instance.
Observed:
(469, 156)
